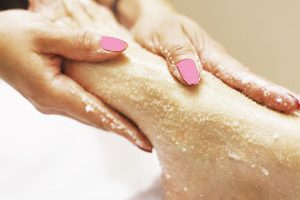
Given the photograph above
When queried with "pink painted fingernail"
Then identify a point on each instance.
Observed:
(113, 44)
(297, 99)
(189, 72)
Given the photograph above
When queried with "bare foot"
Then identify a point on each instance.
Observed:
(212, 142)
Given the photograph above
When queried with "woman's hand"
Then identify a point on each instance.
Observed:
(188, 49)
(165, 34)
(31, 53)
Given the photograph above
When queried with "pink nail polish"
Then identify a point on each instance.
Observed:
(297, 99)
(113, 44)
(189, 72)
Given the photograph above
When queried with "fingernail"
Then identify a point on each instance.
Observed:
(297, 99)
(189, 72)
(113, 44)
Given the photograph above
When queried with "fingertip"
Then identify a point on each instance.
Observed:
(147, 149)
(189, 71)
(115, 122)
(297, 101)
(131, 133)
(89, 109)
(145, 145)
(282, 102)
(113, 44)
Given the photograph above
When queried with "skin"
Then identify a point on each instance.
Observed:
(53, 93)
(160, 29)
(212, 142)
(32, 51)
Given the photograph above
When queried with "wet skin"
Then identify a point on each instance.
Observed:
(212, 142)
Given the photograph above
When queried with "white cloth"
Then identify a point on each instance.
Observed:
(50, 157)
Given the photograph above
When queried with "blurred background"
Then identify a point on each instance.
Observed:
(264, 35)
(51, 157)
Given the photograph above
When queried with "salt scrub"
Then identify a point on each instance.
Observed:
(267, 93)
(197, 118)
(185, 189)
(235, 155)
(279, 100)
(275, 137)
(168, 176)
(235, 124)
(89, 108)
(183, 149)
(72, 91)
(264, 171)
(114, 125)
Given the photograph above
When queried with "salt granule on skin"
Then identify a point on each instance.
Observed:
(89, 108)
(265, 171)
(279, 100)
(234, 155)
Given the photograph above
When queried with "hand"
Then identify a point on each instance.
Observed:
(31, 53)
(187, 49)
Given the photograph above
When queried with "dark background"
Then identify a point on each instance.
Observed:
(8, 4)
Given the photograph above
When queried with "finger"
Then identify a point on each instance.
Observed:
(240, 78)
(97, 11)
(215, 60)
(80, 45)
(76, 12)
(181, 57)
(69, 99)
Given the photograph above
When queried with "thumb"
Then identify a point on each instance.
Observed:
(181, 57)
(80, 45)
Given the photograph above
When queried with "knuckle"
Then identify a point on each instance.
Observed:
(42, 100)
(42, 109)
(41, 105)
(33, 27)
(83, 40)
(184, 18)
(180, 49)
(34, 33)
(138, 35)
(40, 36)
(37, 31)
